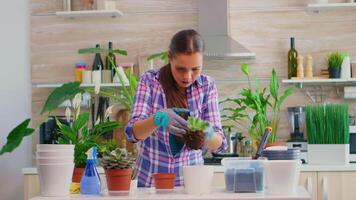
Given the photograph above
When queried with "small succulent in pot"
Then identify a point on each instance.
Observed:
(194, 138)
(117, 159)
(118, 166)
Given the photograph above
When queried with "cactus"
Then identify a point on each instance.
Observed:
(117, 159)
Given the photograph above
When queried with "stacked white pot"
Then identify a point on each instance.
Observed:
(55, 164)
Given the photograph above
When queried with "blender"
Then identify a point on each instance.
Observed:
(296, 118)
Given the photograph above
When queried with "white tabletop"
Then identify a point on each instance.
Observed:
(178, 194)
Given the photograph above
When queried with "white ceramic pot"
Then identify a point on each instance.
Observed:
(321, 1)
(55, 147)
(55, 179)
(282, 176)
(55, 154)
(197, 179)
(44, 161)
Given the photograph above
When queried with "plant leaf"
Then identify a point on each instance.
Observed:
(82, 120)
(66, 92)
(119, 51)
(156, 55)
(105, 127)
(16, 135)
(69, 133)
(274, 85)
(245, 68)
(93, 50)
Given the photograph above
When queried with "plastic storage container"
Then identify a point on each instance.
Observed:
(243, 175)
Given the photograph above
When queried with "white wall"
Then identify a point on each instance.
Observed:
(15, 91)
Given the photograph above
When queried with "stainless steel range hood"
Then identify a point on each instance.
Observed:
(214, 26)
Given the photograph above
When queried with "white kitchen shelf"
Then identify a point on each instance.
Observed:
(320, 81)
(81, 85)
(89, 13)
(330, 6)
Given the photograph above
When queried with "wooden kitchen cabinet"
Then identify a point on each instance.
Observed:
(309, 180)
(336, 185)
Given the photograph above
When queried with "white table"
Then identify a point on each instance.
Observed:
(178, 194)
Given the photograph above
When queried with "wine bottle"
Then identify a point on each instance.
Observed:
(110, 65)
(292, 60)
(98, 62)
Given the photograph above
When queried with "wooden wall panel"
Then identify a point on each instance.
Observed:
(147, 26)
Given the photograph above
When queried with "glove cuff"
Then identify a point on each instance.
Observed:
(209, 132)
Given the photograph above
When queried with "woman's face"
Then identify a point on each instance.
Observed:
(186, 68)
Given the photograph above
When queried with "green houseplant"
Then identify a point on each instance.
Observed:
(334, 61)
(194, 138)
(328, 133)
(118, 166)
(253, 104)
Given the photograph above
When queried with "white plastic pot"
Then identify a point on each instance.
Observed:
(55, 153)
(197, 179)
(55, 179)
(55, 147)
(282, 176)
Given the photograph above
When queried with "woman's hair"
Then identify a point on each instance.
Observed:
(184, 42)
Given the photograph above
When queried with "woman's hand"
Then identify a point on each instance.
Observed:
(169, 120)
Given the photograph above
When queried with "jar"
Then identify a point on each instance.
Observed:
(78, 71)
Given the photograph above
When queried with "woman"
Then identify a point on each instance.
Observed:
(155, 119)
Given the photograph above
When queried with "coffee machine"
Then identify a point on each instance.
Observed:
(296, 118)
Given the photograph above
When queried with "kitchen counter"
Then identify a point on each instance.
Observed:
(220, 169)
(178, 194)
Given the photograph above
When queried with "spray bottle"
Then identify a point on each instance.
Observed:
(90, 183)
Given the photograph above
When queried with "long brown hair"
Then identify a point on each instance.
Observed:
(184, 42)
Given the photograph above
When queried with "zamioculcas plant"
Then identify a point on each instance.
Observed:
(194, 138)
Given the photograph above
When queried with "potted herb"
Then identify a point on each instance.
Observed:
(334, 61)
(253, 104)
(118, 166)
(328, 133)
(194, 138)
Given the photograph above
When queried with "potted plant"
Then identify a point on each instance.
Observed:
(81, 135)
(328, 133)
(334, 61)
(257, 101)
(194, 138)
(118, 166)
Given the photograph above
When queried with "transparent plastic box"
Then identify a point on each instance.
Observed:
(243, 175)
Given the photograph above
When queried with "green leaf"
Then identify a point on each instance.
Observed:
(66, 92)
(274, 85)
(163, 55)
(69, 133)
(245, 68)
(93, 50)
(16, 135)
(82, 120)
(119, 51)
(286, 93)
(105, 127)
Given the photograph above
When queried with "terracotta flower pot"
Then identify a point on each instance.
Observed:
(77, 174)
(118, 179)
(164, 180)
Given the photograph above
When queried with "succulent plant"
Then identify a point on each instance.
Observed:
(117, 159)
(196, 124)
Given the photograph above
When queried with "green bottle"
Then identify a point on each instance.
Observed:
(98, 63)
(110, 65)
(292, 60)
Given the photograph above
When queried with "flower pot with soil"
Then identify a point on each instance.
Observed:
(194, 138)
(164, 180)
(118, 166)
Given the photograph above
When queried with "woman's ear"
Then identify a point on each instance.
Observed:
(169, 54)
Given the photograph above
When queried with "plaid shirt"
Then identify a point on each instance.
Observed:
(155, 153)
